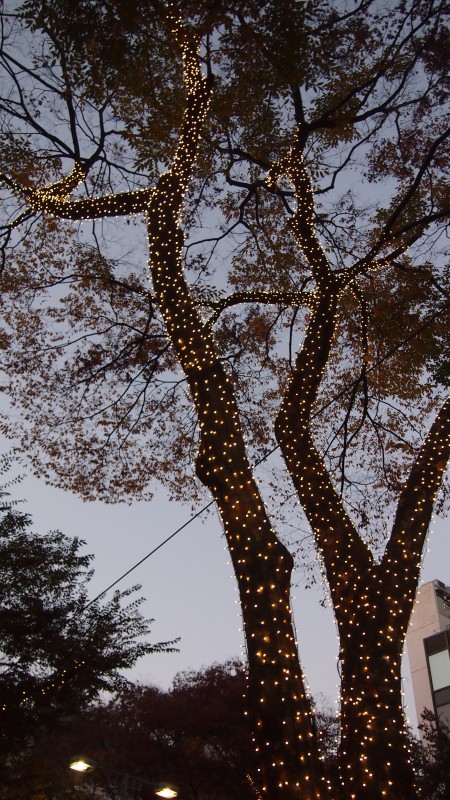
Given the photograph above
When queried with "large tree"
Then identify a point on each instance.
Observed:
(290, 163)
(58, 652)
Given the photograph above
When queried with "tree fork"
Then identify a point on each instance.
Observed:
(390, 587)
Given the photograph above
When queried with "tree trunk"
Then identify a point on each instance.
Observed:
(373, 754)
(280, 712)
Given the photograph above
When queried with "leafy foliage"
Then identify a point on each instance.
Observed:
(431, 758)
(194, 735)
(58, 652)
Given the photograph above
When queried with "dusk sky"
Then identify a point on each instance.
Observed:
(189, 586)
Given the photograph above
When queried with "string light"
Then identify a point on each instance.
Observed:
(371, 601)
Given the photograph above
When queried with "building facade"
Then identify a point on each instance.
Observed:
(428, 644)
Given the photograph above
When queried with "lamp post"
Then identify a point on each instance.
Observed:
(82, 764)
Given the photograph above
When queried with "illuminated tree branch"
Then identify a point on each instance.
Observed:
(53, 199)
(302, 222)
(265, 298)
(402, 558)
(367, 597)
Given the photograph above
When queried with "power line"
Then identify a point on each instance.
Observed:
(155, 549)
(317, 413)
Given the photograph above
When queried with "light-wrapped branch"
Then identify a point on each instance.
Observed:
(402, 558)
(53, 199)
(292, 166)
(293, 299)
(198, 88)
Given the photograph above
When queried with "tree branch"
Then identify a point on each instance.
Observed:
(403, 554)
(345, 554)
(265, 298)
(302, 222)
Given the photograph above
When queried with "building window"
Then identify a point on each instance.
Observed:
(440, 669)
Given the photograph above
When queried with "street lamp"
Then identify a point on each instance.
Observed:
(80, 764)
(83, 764)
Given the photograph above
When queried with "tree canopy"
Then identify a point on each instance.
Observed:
(286, 164)
(109, 385)
(192, 735)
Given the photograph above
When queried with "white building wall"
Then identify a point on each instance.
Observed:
(430, 615)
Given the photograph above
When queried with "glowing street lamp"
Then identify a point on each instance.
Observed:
(166, 791)
(82, 764)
